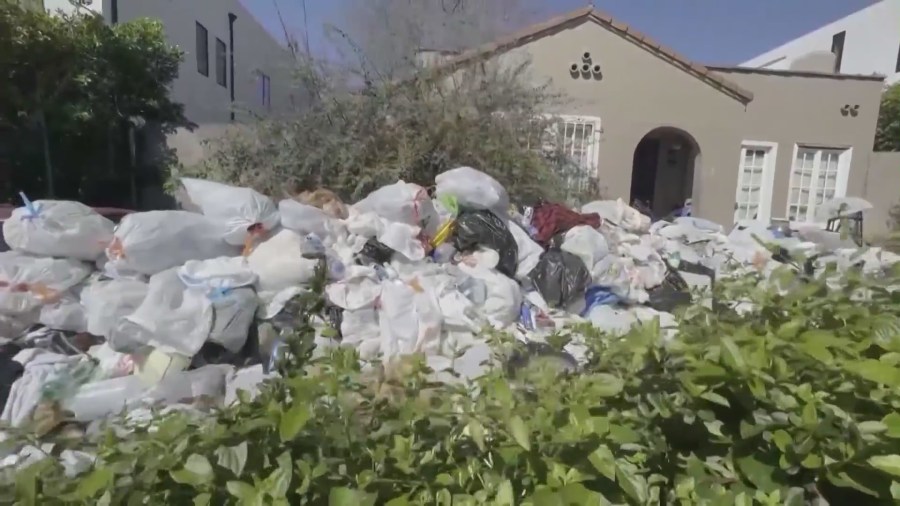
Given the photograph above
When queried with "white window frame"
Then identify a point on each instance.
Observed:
(593, 152)
(767, 183)
(840, 185)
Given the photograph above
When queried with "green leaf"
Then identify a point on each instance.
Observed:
(895, 490)
(606, 385)
(892, 421)
(197, 471)
(887, 463)
(277, 483)
(202, 499)
(476, 431)
(343, 496)
(233, 458)
(876, 371)
(604, 462)
(731, 355)
(520, 432)
(89, 485)
(782, 440)
(293, 421)
(505, 495)
(872, 427)
(716, 399)
(758, 473)
(243, 491)
(633, 485)
(398, 501)
(817, 350)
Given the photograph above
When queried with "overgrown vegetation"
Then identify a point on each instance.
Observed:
(792, 403)
(72, 85)
(355, 142)
(887, 134)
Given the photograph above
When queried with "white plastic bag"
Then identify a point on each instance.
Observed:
(586, 243)
(227, 282)
(504, 295)
(107, 302)
(305, 219)
(27, 283)
(153, 241)
(400, 237)
(529, 251)
(618, 213)
(66, 314)
(58, 228)
(243, 211)
(473, 189)
(402, 202)
(278, 262)
(172, 318)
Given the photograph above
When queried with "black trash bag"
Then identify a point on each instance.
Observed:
(335, 317)
(216, 354)
(672, 293)
(485, 229)
(375, 252)
(560, 277)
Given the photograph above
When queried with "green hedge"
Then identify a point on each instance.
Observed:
(791, 404)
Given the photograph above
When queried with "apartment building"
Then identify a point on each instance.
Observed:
(865, 42)
(233, 67)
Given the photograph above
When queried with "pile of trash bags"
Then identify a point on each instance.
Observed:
(173, 307)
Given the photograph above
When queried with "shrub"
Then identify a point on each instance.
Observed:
(355, 142)
(887, 134)
(794, 402)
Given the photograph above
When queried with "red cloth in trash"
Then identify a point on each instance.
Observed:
(552, 219)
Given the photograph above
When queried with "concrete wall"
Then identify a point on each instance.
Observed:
(640, 91)
(255, 50)
(883, 191)
(871, 44)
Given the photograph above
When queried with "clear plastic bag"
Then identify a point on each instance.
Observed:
(244, 212)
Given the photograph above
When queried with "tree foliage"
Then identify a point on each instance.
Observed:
(356, 141)
(887, 133)
(80, 81)
(793, 402)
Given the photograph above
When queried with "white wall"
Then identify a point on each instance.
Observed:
(870, 46)
(255, 50)
(66, 5)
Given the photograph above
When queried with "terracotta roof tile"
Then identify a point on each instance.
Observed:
(541, 29)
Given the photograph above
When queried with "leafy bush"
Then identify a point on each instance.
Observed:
(355, 142)
(795, 402)
(71, 86)
(887, 134)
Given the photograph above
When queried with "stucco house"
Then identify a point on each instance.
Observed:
(742, 143)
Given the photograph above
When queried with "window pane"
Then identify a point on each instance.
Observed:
(202, 49)
(221, 64)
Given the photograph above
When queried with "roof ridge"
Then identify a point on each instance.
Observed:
(538, 30)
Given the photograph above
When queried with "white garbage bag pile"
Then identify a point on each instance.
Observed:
(186, 304)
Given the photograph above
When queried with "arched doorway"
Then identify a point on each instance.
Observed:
(662, 172)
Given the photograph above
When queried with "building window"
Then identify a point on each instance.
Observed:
(574, 142)
(837, 48)
(221, 64)
(756, 173)
(202, 50)
(818, 175)
(265, 90)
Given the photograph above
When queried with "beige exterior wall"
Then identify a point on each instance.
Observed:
(639, 92)
(883, 191)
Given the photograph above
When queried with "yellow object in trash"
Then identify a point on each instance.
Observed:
(443, 233)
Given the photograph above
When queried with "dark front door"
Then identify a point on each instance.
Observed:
(643, 174)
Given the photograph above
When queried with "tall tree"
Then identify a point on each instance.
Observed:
(387, 34)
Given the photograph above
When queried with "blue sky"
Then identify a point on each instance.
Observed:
(709, 31)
